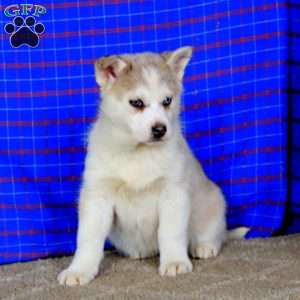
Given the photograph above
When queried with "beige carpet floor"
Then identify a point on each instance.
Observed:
(259, 269)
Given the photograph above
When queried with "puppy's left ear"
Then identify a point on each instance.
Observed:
(178, 59)
(108, 69)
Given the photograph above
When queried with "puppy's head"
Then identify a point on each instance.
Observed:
(141, 92)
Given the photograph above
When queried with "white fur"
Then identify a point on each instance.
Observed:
(147, 198)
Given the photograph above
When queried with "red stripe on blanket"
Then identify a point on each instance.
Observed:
(243, 125)
(243, 68)
(243, 180)
(244, 152)
(26, 179)
(30, 206)
(47, 122)
(48, 93)
(46, 151)
(47, 64)
(254, 204)
(241, 97)
(241, 40)
(263, 229)
(26, 255)
(6, 233)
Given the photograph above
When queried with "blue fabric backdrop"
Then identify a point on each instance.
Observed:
(292, 222)
(235, 108)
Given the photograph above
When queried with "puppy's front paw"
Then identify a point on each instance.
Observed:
(73, 277)
(204, 251)
(174, 268)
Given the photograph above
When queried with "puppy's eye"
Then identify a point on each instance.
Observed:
(167, 101)
(138, 103)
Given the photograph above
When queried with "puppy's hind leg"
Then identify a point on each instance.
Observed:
(208, 244)
(208, 227)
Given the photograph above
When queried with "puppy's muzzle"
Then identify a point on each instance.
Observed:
(158, 131)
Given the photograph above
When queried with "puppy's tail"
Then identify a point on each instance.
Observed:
(238, 233)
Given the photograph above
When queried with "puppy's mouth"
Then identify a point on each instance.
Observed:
(156, 142)
(152, 142)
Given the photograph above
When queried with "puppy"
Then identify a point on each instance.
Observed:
(142, 187)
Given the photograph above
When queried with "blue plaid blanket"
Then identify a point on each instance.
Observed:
(238, 88)
(292, 220)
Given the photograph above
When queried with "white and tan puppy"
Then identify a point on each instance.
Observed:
(142, 187)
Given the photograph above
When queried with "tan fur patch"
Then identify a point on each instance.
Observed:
(133, 74)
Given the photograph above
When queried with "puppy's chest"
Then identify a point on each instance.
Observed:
(136, 210)
(135, 224)
(138, 172)
(134, 207)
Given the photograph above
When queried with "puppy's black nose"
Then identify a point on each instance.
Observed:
(159, 130)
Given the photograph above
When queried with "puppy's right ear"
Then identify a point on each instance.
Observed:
(178, 59)
(108, 69)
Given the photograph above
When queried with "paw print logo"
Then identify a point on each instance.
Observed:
(24, 31)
